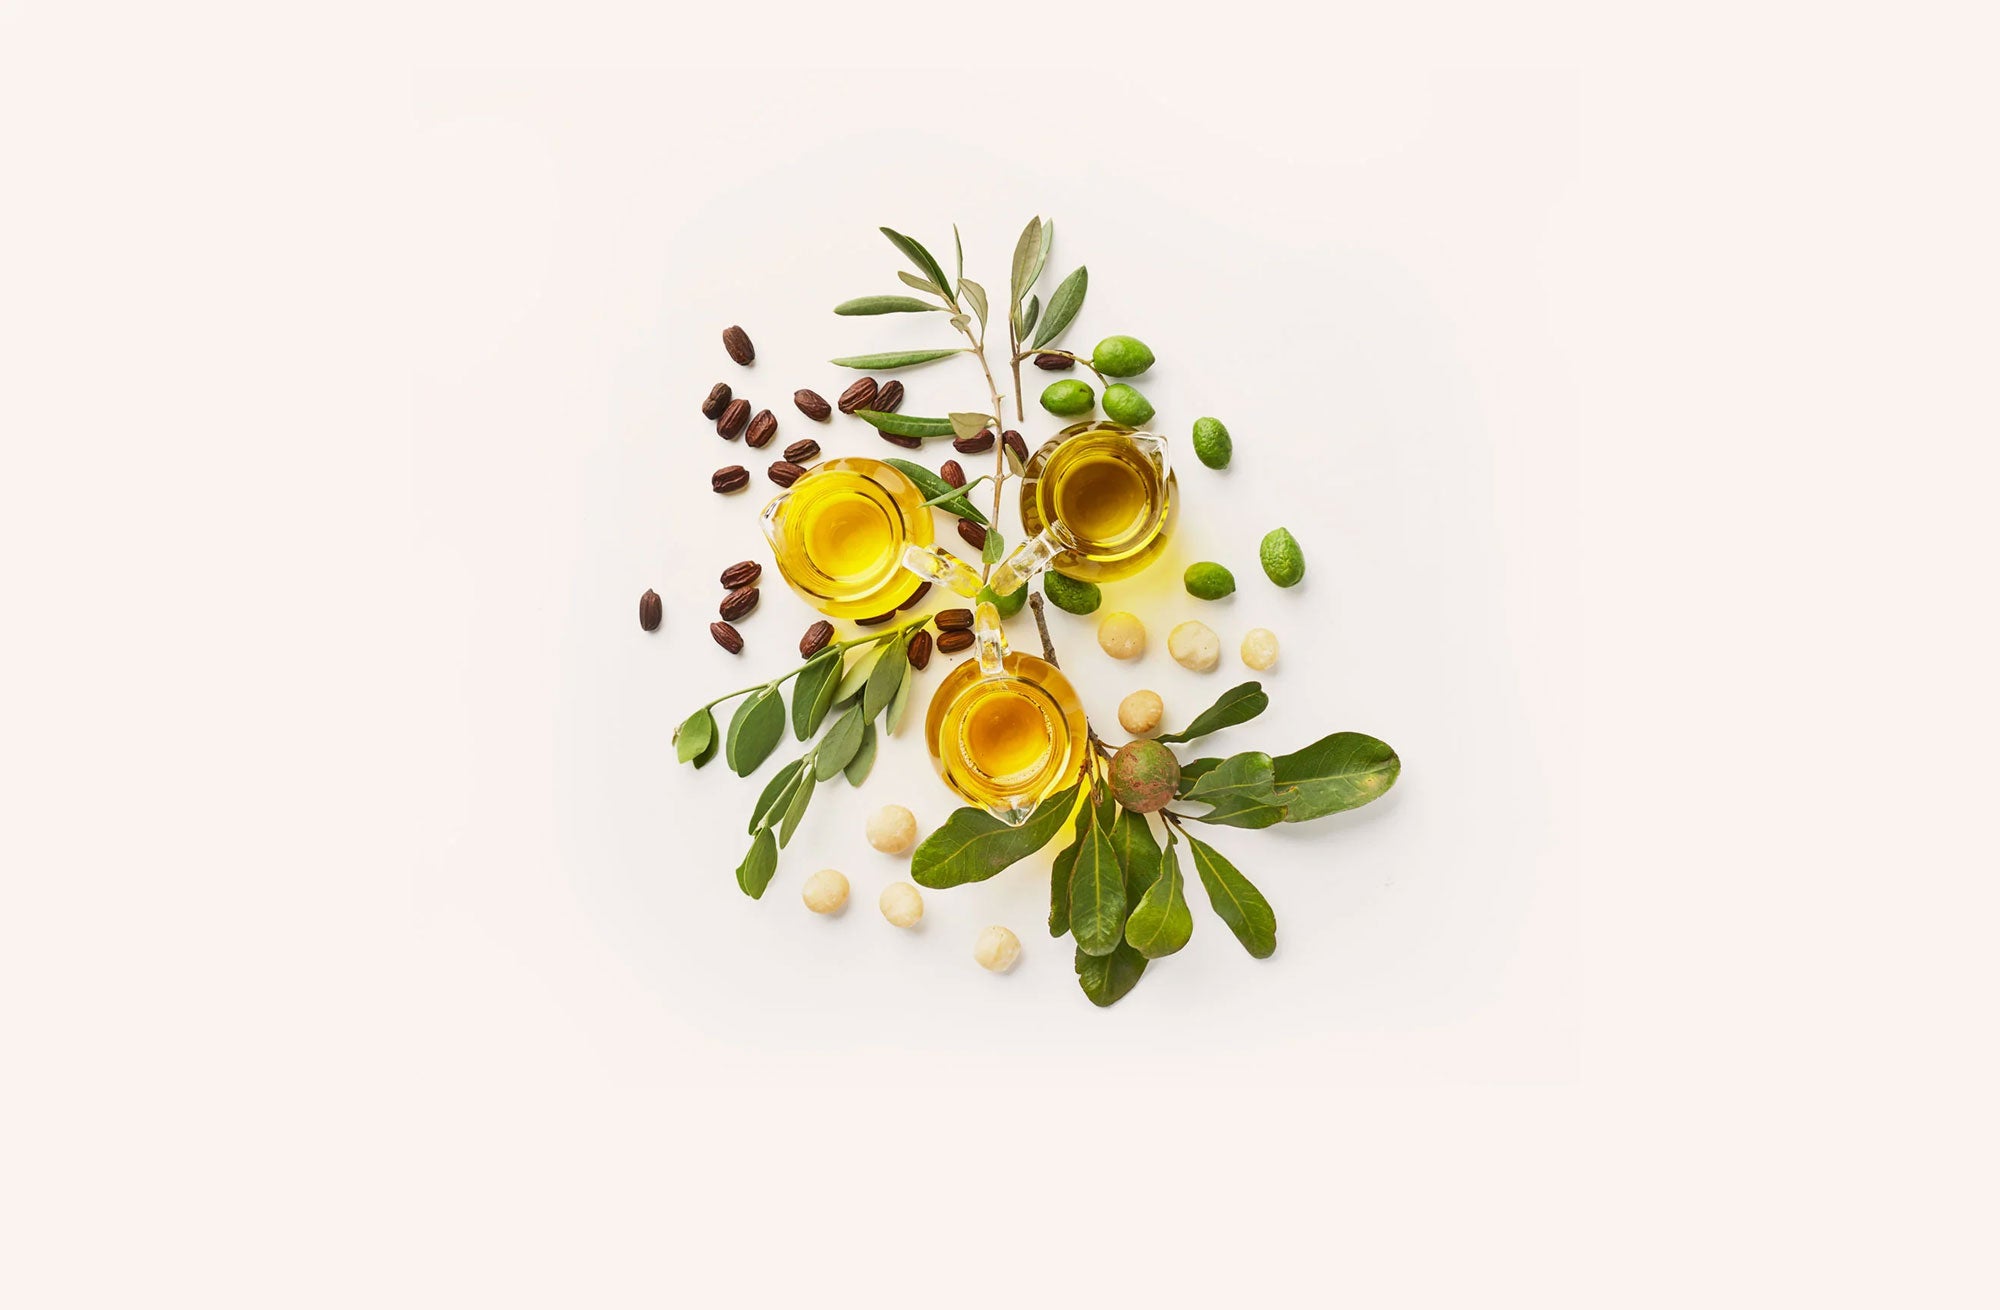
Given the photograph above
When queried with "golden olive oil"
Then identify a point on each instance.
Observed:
(1109, 496)
(1006, 742)
(840, 533)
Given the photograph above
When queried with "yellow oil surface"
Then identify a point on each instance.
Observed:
(1103, 497)
(1005, 733)
(1007, 741)
(840, 535)
(1110, 496)
(849, 536)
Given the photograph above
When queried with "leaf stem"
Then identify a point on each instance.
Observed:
(849, 644)
(955, 491)
(1049, 654)
(1072, 357)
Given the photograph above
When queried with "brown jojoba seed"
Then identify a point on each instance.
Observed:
(739, 602)
(875, 622)
(733, 478)
(737, 342)
(718, 400)
(858, 396)
(952, 473)
(784, 473)
(907, 443)
(1054, 363)
(981, 440)
(812, 405)
(726, 637)
(959, 620)
(915, 597)
(762, 428)
(650, 610)
(815, 640)
(954, 641)
(975, 536)
(800, 452)
(734, 416)
(1012, 440)
(920, 650)
(742, 575)
(890, 396)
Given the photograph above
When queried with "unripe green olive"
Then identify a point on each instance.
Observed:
(1124, 404)
(1068, 397)
(1121, 357)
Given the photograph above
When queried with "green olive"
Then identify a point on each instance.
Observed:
(1121, 357)
(1068, 397)
(1212, 445)
(1009, 605)
(1124, 404)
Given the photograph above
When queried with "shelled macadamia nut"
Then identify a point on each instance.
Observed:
(1260, 648)
(1194, 645)
(1122, 635)
(892, 830)
(997, 949)
(826, 891)
(1140, 712)
(902, 904)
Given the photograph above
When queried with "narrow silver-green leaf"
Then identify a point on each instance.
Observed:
(914, 251)
(1237, 903)
(1108, 979)
(972, 845)
(892, 718)
(976, 296)
(856, 677)
(864, 758)
(777, 794)
(754, 874)
(1048, 244)
(754, 730)
(958, 244)
(812, 697)
(1138, 853)
(1028, 317)
(995, 546)
(1239, 704)
(1340, 772)
(887, 675)
(1097, 895)
(694, 735)
(795, 809)
(905, 425)
(841, 744)
(922, 284)
(933, 486)
(895, 358)
(1068, 298)
(1027, 258)
(1161, 923)
(965, 424)
(863, 305)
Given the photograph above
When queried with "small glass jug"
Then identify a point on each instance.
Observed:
(1006, 730)
(853, 539)
(1098, 502)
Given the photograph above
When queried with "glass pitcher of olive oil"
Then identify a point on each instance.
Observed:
(853, 538)
(1098, 502)
(1005, 731)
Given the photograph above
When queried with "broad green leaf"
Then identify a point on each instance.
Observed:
(1236, 902)
(841, 744)
(976, 295)
(1192, 771)
(1243, 812)
(754, 730)
(813, 696)
(932, 485)
(895, 358)
(1097, 895)
(1239, 704)
(795, 809)
(1028, 253)
(1060, 874)
(1162, 922)
(1247, 774)
(1138, 853)
(892, 718)
(777, 794)
(694, 735)
(886, 305)
(1029, 316)
(1106, 979)
(914, 251)
(995, 546)
(905, 425)
(966, 425)
(887, 675)
(710, 751)
(754, 874)
(972, 845)
(864, 758)
(921, 284)
(1068, 298)
(1340, 772)
(857, 675)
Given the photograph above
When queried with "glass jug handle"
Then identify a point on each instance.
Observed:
(1155, 447)
(934, 565)
(768, 521)
(992, 641)
(1029, 558)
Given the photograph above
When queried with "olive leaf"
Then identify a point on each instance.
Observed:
(990, 552)
(1028, 253)
(922, 284)
(695, 735)
(972, 845)
(961, 321)
(857, 676)
(1335, 773)
(968, 425)
(841, 744)
(777, 794)
(864, 757)
(1138, 853)
(914, 251)
(1048, 244)
(1239, 704)
(754, 730)
(754, 874)
(975, 293)
(1097, 895)
(892, 718)
(905, 425)
(958, 244)
(885, 305)
(1161, 922)
(1068, 298)
(887, 675)
(895, 358)
(796, 808)
(934, 486)
(813, 696)
(1107, 979)
(1237, 903)
(1028, 316)
(1060, 876)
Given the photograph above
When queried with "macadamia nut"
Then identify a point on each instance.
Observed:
(1140, 712)
(1194, 645)
(1260, 648)
(902, 904)
(826, 891)
(892, 830)
(1122, 636)
(997, 949)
